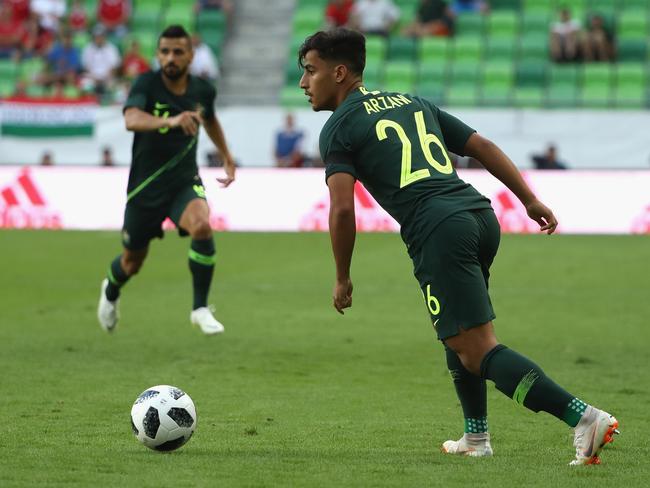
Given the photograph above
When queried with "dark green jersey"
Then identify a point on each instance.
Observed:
(165, 159)
(397, 146)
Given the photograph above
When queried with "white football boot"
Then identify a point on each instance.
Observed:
(107, 311)
(595, 429)
(205, 320)
(474, 445)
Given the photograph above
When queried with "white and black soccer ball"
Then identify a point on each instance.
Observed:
(163, 417)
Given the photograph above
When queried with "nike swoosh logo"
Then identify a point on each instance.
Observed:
(159, 106)
(435, 324)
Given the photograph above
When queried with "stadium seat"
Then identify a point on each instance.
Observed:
(531, 73)
(535, 22)
(463, 95)
(470, 24)
(632, 49)
(468, 49)
(503, 23)
(401, 48)
(562, 88)
(291, 96)
(500, 49)
(534, 46)
(31, 68)
(597, 85)
(399, 76)
(497, 82)
(434, 50)
(178, 13)
(528, 97)
(633, 24)
(432, 91)
(435, 73)
(538, 6)
(463, 72)
(376, 47)
(631, 82)
(210, 20)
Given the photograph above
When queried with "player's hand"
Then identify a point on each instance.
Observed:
(342, 295)
(543, 215)
(229, 167)
(189, 122)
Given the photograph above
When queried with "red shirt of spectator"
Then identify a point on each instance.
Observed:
(11, 30)
(112, 13)
(78, 19)
(338, 12)
(133, 65)
(20, 9)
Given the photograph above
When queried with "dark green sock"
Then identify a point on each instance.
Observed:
(525, 382)
(472, 393)
(202, 266)
(117, 278)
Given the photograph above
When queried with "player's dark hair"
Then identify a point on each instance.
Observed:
(175, 32)
(341, 45)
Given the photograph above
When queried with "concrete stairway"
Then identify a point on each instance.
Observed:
(255, 55)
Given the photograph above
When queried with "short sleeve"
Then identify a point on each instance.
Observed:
(455, 132)
(210, 98)
(138, 94)
(337, 152)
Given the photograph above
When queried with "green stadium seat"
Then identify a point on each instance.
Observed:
(597, 85)
(562, 96)
(497, 82)
(463, 72)
(31, 68)
(498, 73)
(632, 49)
(468, 49)
(633, 24)
(372, 75)
(528, 97)
(606, 8)
(8, 69)
(432, 91)
(631, 73)
(434, 50)
(209, 20)
(531, 73)
(308, 19)
(505, 4)
(432, 73)
(500, 49)
(534, 47)
(146, 16)
(7, 87)
(503, 23)
(463, 95)
(178, 13)
(35, 91)
(631, 82)
(376, 47)
(567, 75)
(538, 6)
(402, 48)
(399, 76)
(631, 96)
(470, 24)
(148, 41)
(537, 22)
(293, 72)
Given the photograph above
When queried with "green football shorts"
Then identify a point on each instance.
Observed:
(453, 269)
(141, 223)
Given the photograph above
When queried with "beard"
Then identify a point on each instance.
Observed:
(173, 72)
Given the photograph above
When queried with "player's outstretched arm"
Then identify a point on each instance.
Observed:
(501, 167)
(342, 234)
(215, 132)
(137, 120)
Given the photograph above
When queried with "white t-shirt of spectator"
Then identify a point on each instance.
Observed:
(49, 12)
(565, 28)
(374, 15)
(100, 61)
(204, 64)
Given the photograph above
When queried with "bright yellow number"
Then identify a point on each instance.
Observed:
(407, 177)
(432, 302)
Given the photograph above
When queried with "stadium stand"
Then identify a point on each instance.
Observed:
(22, 71)
(500, 58)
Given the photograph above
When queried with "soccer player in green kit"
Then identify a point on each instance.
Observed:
(165, 109)
(398, 146)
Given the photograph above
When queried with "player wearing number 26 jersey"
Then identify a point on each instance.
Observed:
(398, 146)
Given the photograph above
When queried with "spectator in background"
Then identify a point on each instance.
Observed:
(11, 32)
(374, 16)
(100, 61)
(49, 13)
(47, 159)
(548, 160)
(36, 40)
(63, 62)
(19, 8)
(78, 19)
(204, 64)
(288, 145)
(598, 41)
(565, 38)
(107, 157)
(337, 13)
(134, 63)
(462, 6)
(114, 16)
(432, 18)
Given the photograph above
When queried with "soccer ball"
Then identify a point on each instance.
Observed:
(163, 417)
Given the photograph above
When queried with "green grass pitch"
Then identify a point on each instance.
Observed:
(294, 394)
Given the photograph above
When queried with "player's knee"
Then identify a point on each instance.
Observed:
(132, 266)
(201, 230)
(471, 362)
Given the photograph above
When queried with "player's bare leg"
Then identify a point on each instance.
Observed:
(196, 221)
(122, 268)
(526, 383)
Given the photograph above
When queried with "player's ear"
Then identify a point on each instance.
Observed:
(340, 72)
